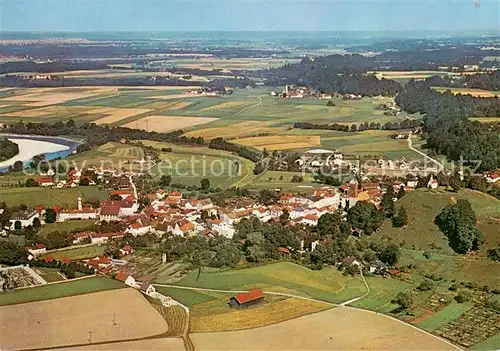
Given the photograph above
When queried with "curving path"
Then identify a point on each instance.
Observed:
(436, 162)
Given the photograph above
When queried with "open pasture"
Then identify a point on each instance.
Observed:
(237, 130)
(66, 197)
(327, 285)
(167, 123)
(108, 155)
(115, 315)
(78, 253)
(337, 328)
(467, 91)
(283, 142)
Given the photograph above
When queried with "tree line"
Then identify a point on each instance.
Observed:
(403, 125)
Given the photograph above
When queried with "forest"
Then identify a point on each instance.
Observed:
(8, 149)
(447, 129)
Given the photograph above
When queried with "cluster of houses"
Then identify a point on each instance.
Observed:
(211, 91)
(298, 92)
(94, 175)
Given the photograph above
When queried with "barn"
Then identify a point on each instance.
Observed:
(243, 300)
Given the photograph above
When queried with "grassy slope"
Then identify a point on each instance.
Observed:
(48, 197)
(65, 226)
(327, 284)
(54, 291)
(424, 205)
(79, 253)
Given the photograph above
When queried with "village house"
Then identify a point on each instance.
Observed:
(103, 238)
(433, 183)
(37, 249)
(45, 181)
(25, 218)
(140, 227)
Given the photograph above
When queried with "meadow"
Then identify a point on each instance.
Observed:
(78, 253)
(66, 197)
(327, 285)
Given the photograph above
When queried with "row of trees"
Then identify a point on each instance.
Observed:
(406, 124)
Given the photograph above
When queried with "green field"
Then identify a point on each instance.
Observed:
(78, 253)
(66, 197)
(189, 165)
(424, 205)
(328, 284)
(54, 291)
(67, 226)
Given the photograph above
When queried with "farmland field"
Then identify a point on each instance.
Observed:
(188, 165)
(467, 91)
(54, 291)
(67, 226)
(115, 315)
(283, 142)
(326, 285)
(78, 253)
(337, 328)
(241, 115)
(66, 197)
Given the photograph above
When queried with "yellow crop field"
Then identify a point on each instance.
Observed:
(282, 142)
(334, 329)
(180, 105)
(57, 110)
(268, 313)
(107, 316)
(466, 91)
(39, 97)
(118, 114)
(167, 123)
(171, 97)
(485, 119)
(238, 130)
(224, 106)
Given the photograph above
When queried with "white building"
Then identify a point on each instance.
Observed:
(26, 218)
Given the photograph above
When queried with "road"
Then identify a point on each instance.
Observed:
(368, 290)
(436, 162)
(133, 187)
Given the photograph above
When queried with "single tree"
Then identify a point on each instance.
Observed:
(205, 184)
(50, 215)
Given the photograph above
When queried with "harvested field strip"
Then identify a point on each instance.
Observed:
(107, 316)
(485, 119)
(465, 91)
(268, 313)
(225, 105)
(167, 123)
(54, 291)
(171, 97)
(118, 114)
(238, 130)
(283, 142)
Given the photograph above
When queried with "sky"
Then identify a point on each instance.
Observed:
(248, 15)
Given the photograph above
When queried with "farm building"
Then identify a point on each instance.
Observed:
(243, 300)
